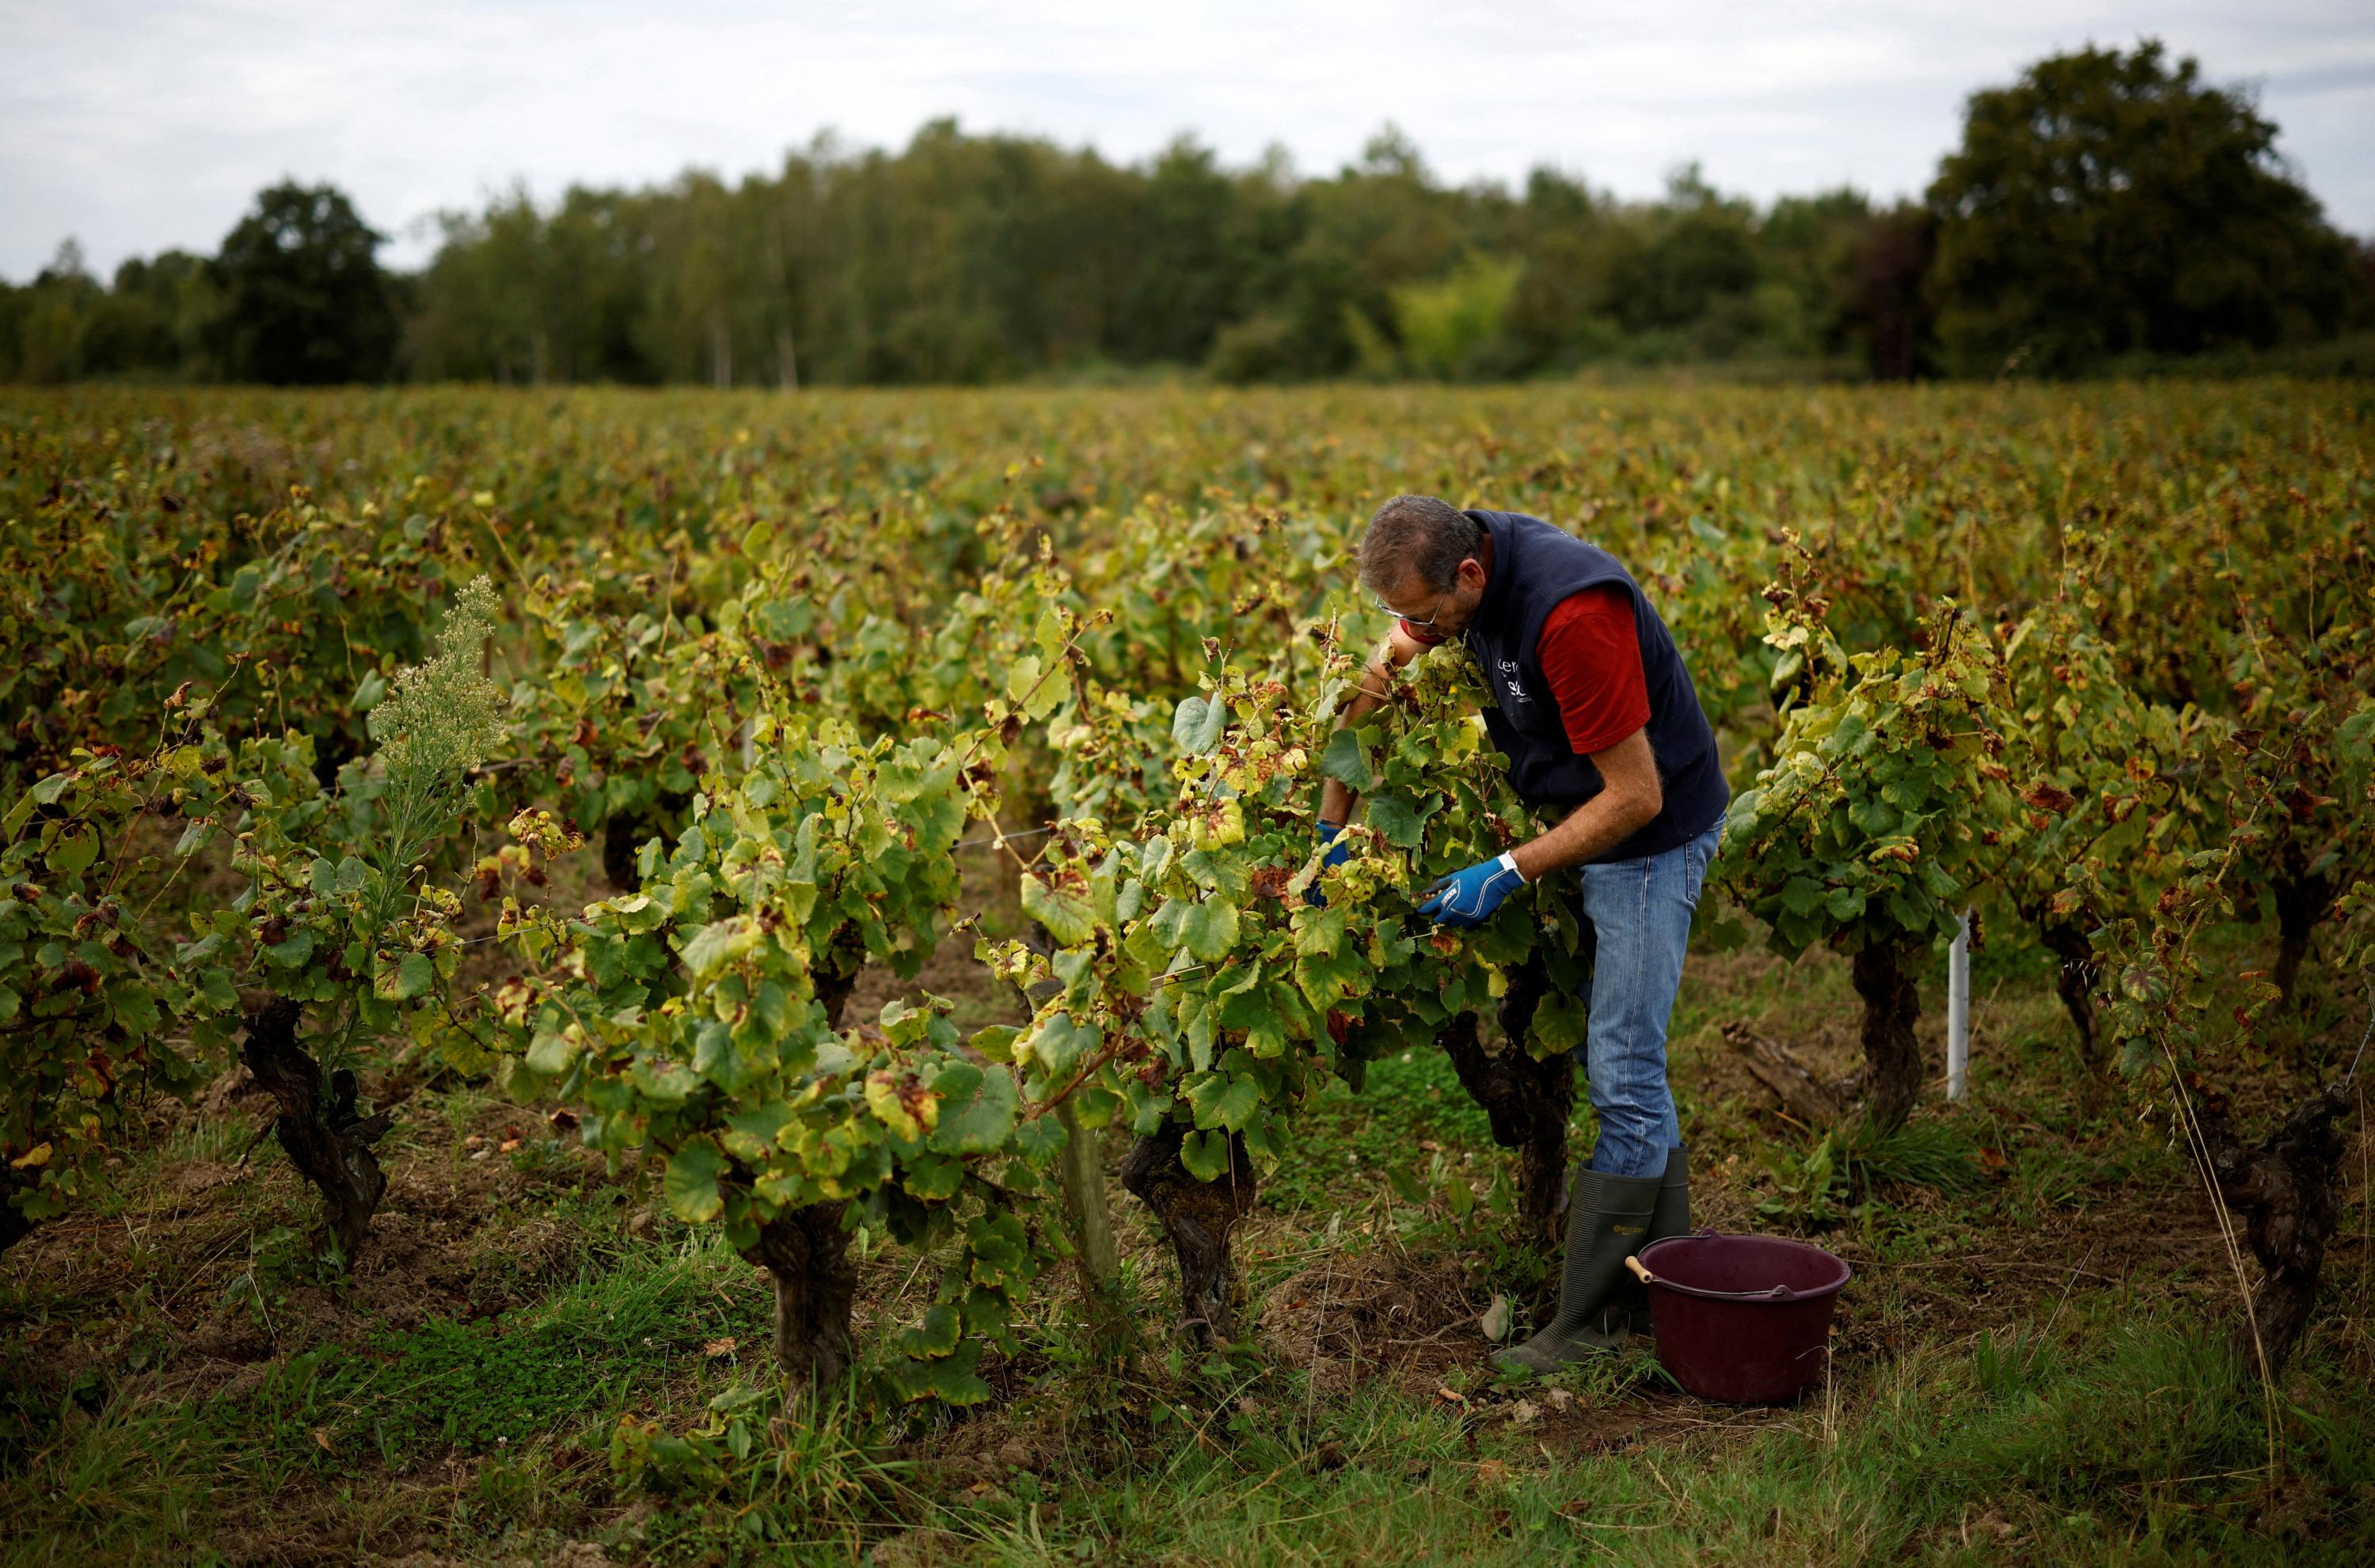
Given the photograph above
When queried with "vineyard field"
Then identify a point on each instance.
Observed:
(617, 976)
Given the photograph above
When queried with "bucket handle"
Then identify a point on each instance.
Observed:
(1777, 1293)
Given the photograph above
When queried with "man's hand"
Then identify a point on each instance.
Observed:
(1469, 898)
(1331, 839)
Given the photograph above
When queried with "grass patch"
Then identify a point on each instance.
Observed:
(1343, 1144)
(2133, 1444)
(592, 1350)
(512, 1389)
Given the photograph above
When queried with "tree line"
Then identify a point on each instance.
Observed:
(2109, 207)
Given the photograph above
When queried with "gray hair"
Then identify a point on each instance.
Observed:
(1417, 535)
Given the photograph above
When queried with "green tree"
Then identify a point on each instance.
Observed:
(1884, 306)
(1805, 244)
(304, 299)
(156, 317)
(1689, 268)
(1192, 269)
(1380, 224)
(2110, 203)
(53, 319)
(490, 305)
(1450, 325)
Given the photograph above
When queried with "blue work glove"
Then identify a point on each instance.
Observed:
(1331, 839)
(1469, 898)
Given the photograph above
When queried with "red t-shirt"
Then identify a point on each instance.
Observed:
(1591, 654)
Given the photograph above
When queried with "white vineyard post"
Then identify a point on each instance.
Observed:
(1958, 1011)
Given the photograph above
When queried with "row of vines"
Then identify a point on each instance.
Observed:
(303, 702)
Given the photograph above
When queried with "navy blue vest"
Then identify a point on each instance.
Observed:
(1534, 567)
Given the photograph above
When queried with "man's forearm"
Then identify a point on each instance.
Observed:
(1598, 825)
(1336, 797)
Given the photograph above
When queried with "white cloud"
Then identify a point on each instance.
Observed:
(141, 126)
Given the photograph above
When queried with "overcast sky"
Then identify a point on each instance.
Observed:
(137, 127)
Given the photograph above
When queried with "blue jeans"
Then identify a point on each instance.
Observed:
(1640, 914)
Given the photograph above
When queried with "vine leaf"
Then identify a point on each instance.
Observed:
(1069, 918)
(1226, 1101)
(1210, 929)
(1561, 1023)
(1036, 697)
(949, 1377)
(712, 947)
(1403, 826)
(415, 974)
(1196, 725)
(691, 1183)
(977, 1109)
(1060, 1045)
(1205, 1154)
(1040, 1139)
(1344, 762)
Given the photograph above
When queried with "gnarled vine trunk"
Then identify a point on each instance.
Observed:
(331, 750)
(2075, 982)
(329, 1143)
(2301, 901)
(1528, 1103)
(1892, 1056)
(622, 840)
(835, 972)
(806, 1253)
(624, 835)
(14, 1226)
(1197, 1216)
(2284, 1188)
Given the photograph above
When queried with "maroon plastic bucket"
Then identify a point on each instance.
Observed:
(1742, 1319)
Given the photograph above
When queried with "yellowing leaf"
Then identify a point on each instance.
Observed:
(902, 1103)
(1069, 917)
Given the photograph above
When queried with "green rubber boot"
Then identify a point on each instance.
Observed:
(1608, 1222)
(1630, 1304)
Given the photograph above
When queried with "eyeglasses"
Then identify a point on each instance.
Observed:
(1437, 609)
(1409, 620)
